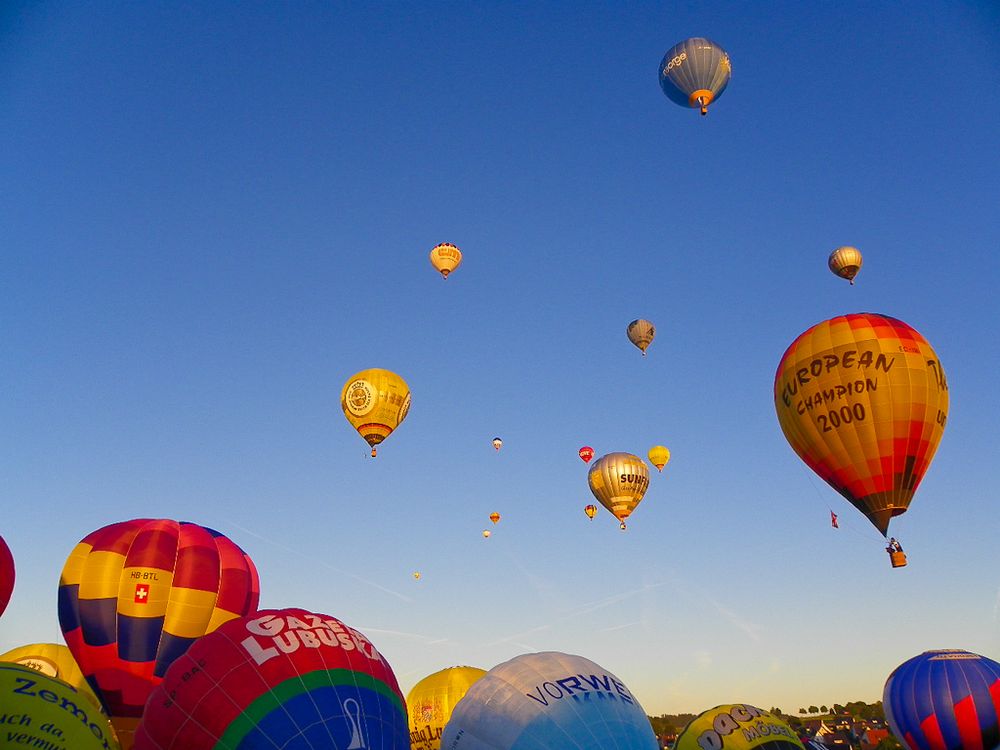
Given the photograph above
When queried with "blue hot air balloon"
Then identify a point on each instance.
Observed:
(945, 700)
(695, 72)
(548, 700)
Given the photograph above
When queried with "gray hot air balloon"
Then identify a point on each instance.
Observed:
(695, 72)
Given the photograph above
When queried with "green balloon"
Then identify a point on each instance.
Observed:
(45, 712)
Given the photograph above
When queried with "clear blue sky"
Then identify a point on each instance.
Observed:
(212, 214)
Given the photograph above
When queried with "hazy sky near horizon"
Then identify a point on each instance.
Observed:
(213, 214)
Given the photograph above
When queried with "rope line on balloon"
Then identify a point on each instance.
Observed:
(847, 524)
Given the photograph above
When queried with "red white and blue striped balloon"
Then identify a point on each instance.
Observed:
(945, 700)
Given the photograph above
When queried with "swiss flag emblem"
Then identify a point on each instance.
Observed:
(141, 593)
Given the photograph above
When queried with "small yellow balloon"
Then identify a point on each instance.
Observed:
(591, 511)
(486, 533)
(416, 575)
(494, 517)
(446, 258)
(375, 402)
(658, 456)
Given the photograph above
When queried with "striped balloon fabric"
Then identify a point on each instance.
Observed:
(945, 700)
(135, 595)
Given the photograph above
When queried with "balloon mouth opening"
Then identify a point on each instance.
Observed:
(445, 273)
(701, 98)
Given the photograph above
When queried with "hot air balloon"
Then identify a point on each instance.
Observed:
(497, 443)
(286, 678)
(945, 700)
(486, 533)
(375, 402)
(863, 400)
(446, 258)
(494, 517)
(658, 456)
(591, 511)
(416, 575)
(618, 481)
(6, 575)
(641, 332)
(586, 453)
(845, 262)
(432, 700)
(46, 712)
(738, 726)
(135, 595)
(53, 660)
(695, 72)
(548, 700)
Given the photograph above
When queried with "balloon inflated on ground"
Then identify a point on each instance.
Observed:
(53, 660)
(431, 701)
(548, 700)
(737, 726)
(285, 678)
(445, 258)
(375, 402)
(863, 400)
(695, 72)
(945, 699)
(6, 575)
(845, 262)
(619, 481)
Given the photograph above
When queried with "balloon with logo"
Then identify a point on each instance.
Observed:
(497, 443)
(375, 402)
(53, 660)
(288, 678)
(445, 258)
(548, 700)
(641, 332)
(945, 699)
(658, 456)
(46, 712)
(619, 482)
(133, 596)
(586, 453)
(737, 726)
(845, 262)
(431, 701)
(695, 72)
(863, 400)
(591, 511)
(6, 575)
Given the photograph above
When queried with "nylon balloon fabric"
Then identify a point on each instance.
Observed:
(286, 678)
(133, 596)
(548, 700)
(737, 726)
(6, 575)
(431, 702)
(945, 700)
(695, 72)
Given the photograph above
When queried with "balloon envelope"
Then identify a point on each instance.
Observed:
(50, 713)
(658, 456)
(619, 481)
(695, 72)
(375, 402)
(497, 443)
(286, 678)
(53, 660)
(494, 517)
(945, 700)
(431, 701)
(6, 575)
(863, 400)
(446, 258)
(845, 262)
(737, 726)
(135, 595)
(586, 453)
(548, 700)
(591, 511)
(641, 332)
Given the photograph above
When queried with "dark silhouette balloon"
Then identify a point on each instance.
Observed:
(6, 575)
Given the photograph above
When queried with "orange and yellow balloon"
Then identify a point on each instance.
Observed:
(863, 400)
(591, 511)
(446, 258)
(658, 456)
(641, 333)
(619, 482)
(495, 517)
(56, 661)
(430, 703)
(375, 402)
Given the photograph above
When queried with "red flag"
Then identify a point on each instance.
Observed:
(141, 593)
(833, 520)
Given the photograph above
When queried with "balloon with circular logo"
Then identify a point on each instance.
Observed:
(375, 402)
(45, 712)
(288, 678)
(619, 481)
(133, 596)
(6, 575)
(548, 700)
(641, 333)
(695, 72)
(445, 257)
(845, 262)
(863, 400)
(53, 660)
(586, 453)
(431, 701)
(945, 699)
(737, 726)
(658, 456)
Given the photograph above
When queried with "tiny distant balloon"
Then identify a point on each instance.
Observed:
(375, 402)
(586, 453)
(497, 443)
(486, 533)
(416, 575)
(695, 72)
(6, 575)
(658, 456)
(845, 262)
(591, 511)
(446, 258)
(619, 481)
(431, 701)
(737, 726)
(641, 332)
(494, 517)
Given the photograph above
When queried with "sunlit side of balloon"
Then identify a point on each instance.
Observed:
(375, 402)
(695, 72)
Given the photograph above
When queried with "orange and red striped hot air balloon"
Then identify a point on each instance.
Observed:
(863, 400)
(133, 596)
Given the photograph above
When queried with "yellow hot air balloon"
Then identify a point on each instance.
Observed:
(591, 511)
(494, 517)
(863, 400)
(446, 258)
(416, 575)
(53, 660)
(641, 332)
(619, 481)
(658, 456)
(375, 402)
(738, 726)
(486, 533)
(845, 262)
(431, 701)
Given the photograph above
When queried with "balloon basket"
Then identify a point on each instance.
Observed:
(898, 559)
